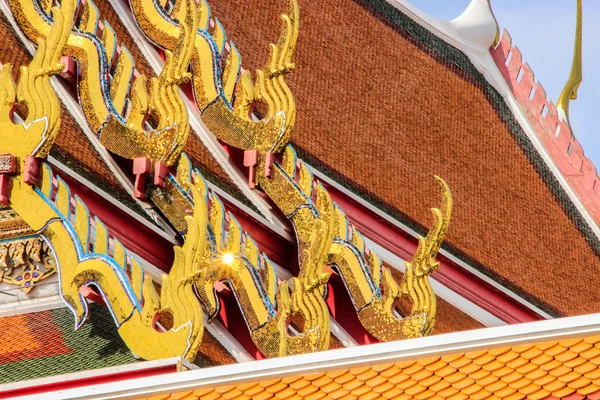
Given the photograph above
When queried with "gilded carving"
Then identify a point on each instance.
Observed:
(103, 95)
(230, 256)
(571, 88)
(25, 261)
(214, 88)
(46, 205)
(135, 119)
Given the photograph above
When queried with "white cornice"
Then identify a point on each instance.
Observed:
(31, 306)
(405, 350)
(110, 371)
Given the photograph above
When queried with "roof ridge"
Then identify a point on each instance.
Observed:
(552, 129)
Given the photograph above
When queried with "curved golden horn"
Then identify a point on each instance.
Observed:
(569, 92)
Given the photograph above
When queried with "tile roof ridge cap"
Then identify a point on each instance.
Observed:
(549, 124)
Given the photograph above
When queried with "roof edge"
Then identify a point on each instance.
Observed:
(164, 366)
(549, 123)
(485, 62)
(513, 335)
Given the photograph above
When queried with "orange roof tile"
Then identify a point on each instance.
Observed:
(532, 371)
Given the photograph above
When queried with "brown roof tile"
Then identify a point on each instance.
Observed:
(212, 353)
(383, 112)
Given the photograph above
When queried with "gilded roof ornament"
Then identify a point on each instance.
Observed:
(103, 95)
(569, 92)
(35, 92)
(26, 261)
(477, 25)
(215, 249)
(497, 38)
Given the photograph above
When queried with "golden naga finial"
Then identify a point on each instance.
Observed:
(232, 257)
(82, 259)
(569, 92)
(104, 95)
(497, 38)
(215, 88)
(377, 310)
(38, 132)
(216, 249)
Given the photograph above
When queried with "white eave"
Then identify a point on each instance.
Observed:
(381, 353)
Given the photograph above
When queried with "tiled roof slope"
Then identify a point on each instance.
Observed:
(45, 343)
(384, 104)
(196, 150)
(72, 147)
(566, 369)
(212, 353)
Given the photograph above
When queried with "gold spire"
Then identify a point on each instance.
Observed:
(576, 77)
(497, 38)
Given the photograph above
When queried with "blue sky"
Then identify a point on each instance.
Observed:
(544, 31)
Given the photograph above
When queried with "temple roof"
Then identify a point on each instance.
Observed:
(384, 105)
(404, 105)
(43, 344)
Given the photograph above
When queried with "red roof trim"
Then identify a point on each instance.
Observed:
(449, 274)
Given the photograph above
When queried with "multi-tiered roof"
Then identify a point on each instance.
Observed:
(179, 197)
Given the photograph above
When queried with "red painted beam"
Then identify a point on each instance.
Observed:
(88, 381)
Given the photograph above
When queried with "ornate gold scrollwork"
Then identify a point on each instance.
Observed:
(371, 287)
(123, 130)
(68, 231)
(214, 89)
(216, 249)
(231, 256)
(375, 301)
(36, 93)
(25, 261)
